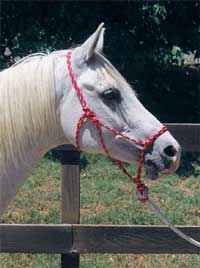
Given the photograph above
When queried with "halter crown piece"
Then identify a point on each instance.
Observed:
(88, 114)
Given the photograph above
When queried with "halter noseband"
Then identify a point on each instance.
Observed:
(88, 114)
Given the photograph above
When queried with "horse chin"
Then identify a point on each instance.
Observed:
(157, 170)
(154, 167)
(152, 171)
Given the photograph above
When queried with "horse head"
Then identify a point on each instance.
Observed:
(123, 120)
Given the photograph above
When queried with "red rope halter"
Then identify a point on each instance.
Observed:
(88, 114)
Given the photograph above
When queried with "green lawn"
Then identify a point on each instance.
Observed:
(106, 197)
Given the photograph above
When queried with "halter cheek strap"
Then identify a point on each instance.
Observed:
(88, 114)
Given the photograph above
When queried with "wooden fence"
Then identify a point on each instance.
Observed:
(70, 239)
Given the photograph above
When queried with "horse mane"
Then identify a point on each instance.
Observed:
(29, 57)
(27, 107)
(28, 104)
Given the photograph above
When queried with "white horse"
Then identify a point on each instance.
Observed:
(39, 110)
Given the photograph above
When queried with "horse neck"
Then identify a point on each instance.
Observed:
(14, 175)
(15, 168)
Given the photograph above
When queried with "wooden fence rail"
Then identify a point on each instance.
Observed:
(188, 136)
(71, 239)
(81, 239)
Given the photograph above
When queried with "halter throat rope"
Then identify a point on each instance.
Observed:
(88, 114)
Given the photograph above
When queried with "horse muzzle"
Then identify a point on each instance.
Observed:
(164, 157)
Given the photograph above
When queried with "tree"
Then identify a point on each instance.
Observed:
(145, 40)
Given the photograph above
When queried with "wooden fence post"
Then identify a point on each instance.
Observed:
(70, 196)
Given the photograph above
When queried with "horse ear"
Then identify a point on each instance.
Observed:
(100, 43)
(93, 44)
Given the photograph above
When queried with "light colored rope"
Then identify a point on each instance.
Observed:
(155, 209)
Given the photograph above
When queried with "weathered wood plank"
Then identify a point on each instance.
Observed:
(70, 195)
(132, 239)
(70, 260)
(95, 239)
(66, 147)
(188, 135)
(30, 238)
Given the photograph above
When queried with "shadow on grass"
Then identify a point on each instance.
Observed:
(189, 165)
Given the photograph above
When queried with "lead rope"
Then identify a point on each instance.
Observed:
(156, 210)
(141, 188)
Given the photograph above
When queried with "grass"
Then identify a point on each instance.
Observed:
(106, 197)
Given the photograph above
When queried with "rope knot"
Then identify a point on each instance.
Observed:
(87, 112)
(147, 143)
(90, 115)
(142, 192)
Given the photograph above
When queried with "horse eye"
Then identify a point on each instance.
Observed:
(111, 94)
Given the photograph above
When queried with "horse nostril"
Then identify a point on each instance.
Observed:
(170, 151)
